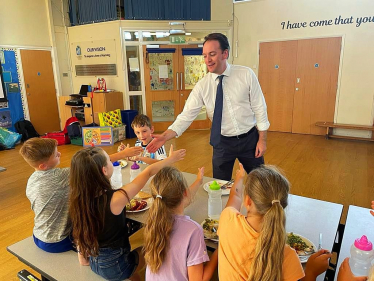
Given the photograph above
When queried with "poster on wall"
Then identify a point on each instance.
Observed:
(100, 54)
(2, 94)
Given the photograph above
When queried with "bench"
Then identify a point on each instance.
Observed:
(330, 125)
(61, 266)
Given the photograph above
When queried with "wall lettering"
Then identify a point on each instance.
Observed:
(319, 23)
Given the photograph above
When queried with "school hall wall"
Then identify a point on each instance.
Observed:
(261, 20)
(221, 18)
(24, 23)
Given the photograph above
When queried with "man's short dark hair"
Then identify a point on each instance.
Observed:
(221, 38)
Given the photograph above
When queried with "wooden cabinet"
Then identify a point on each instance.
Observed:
(101, 102)
(106, 101)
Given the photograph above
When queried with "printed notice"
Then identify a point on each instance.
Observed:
(134, 64)
(1, 89)
(163, 71)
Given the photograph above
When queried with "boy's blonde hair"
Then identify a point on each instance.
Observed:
(141, 120)
(268, 189)
(170, 184)
(37, 150)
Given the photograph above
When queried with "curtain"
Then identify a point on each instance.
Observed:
(167, 9)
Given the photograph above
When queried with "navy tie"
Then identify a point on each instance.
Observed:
(215, 133)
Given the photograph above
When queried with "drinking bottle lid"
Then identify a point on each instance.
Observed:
(214, 186)
(135, 166)
(363, 244)
(116, 163)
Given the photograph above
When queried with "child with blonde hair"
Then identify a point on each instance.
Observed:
(98, 213)
(174, 244)
(253, 247)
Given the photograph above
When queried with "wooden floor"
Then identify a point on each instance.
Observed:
(331, 170)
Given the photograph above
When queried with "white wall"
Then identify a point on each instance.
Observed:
(261, 21)
(24, 23)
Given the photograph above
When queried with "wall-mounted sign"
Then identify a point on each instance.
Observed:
(95, 69)
(100, 52)
(177, 39)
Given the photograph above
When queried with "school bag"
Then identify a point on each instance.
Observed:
(8, 139)
(62, 137)
(74, 130)
(26, 129)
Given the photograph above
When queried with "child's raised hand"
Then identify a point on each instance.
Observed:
(176, 155)
(318, 263)
(132, 151)
(372, 206)
(345, 273)
(121, 147)
(200, 174)
(240, 173)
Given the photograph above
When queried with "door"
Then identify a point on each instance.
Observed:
(192, 69)
(277, 75)
(299, 81)
(315, 94)
(40, 90)
(171, 72)
(161, 85)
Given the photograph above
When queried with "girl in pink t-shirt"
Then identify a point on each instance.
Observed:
(174, 244)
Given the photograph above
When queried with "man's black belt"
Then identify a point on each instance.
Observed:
(242, 135)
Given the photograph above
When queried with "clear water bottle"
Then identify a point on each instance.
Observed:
(134, 171)
(214, 201)
(362, 254)
(116, 178)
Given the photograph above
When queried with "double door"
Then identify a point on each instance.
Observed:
(171, 72)
(299, 79)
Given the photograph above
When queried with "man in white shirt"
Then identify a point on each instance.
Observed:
(235, 104)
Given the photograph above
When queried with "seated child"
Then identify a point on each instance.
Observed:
(174, 244)
(98, 213)
(253, 247)
(143, 129)
(48, 192)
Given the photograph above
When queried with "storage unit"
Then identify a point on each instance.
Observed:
(101, 102)
(127, 118)
(104, 102)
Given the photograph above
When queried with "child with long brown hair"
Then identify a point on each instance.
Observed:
(174, 244)
(253, 247)
(98, 215)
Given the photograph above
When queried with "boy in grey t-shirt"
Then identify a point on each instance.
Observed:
(48, 192)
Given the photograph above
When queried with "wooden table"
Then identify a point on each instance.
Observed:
(359, 222)
(305, 216)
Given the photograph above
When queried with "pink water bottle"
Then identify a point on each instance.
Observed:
(362, 254)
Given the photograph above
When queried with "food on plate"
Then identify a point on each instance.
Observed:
(300, 246)
(123, 163)
(210, 228)
(143, 195)
(136, 205)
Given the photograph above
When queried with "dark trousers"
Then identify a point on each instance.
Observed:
(231, 148)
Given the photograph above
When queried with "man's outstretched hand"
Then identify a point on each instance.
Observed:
(156, 143)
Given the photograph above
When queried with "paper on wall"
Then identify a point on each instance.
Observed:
(134, 64)
(163, 71)
(1, 89)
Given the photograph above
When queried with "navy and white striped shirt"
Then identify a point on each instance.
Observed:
(160, 154)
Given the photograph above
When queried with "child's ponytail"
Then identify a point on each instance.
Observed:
(268, 189)
(167, 188)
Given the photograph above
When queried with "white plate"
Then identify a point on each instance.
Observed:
(309, 243)
(220, 182)
(123, 163)
(215, 240)
(149, 204)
